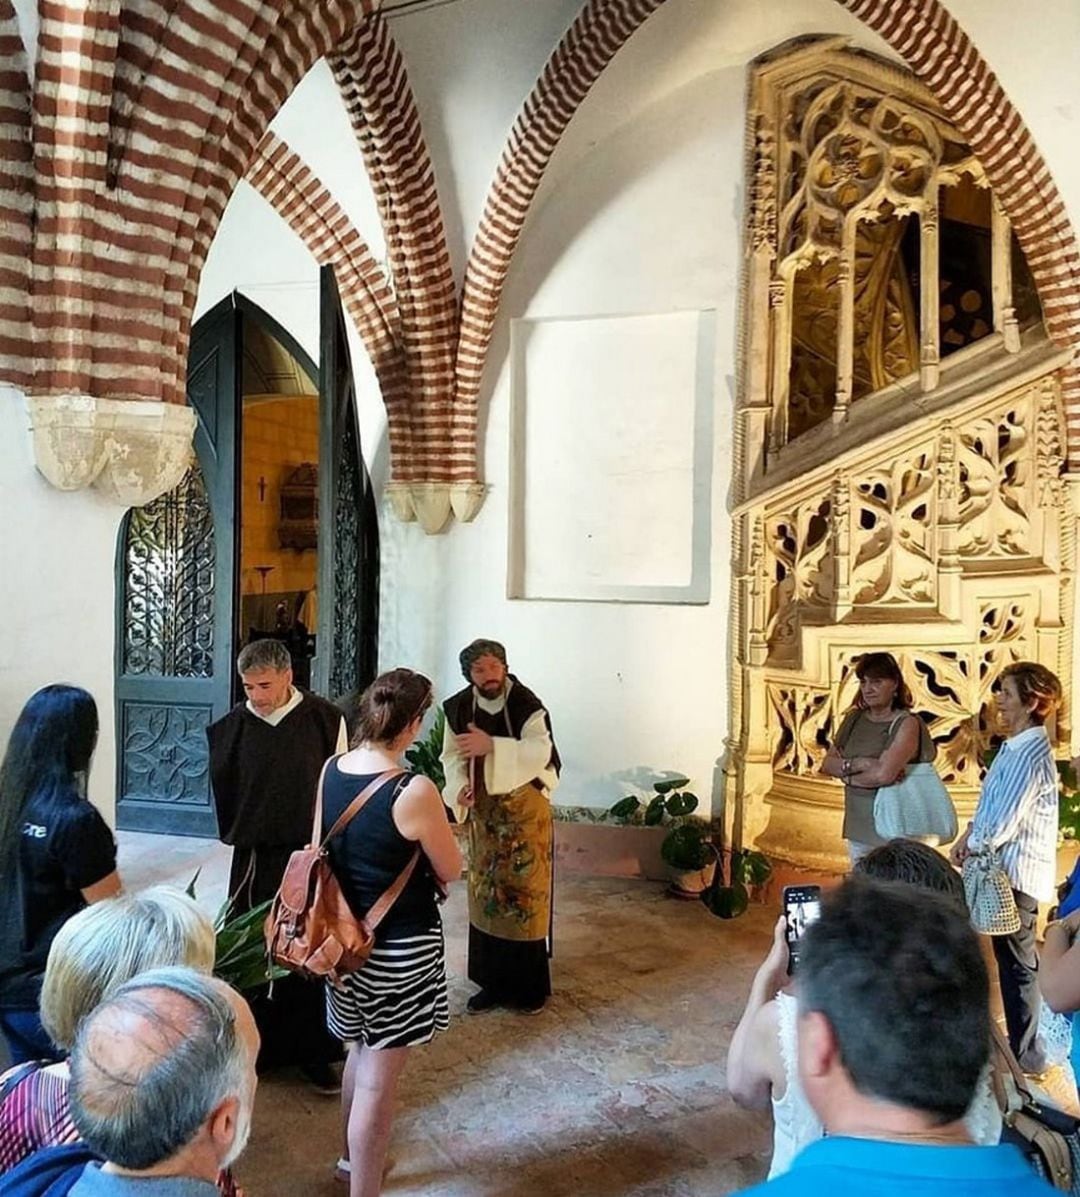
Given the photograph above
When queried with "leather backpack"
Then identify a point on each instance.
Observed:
(311, 929)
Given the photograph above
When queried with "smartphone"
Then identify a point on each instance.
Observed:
(802, 905)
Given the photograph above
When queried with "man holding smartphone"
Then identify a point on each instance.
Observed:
(894, 1034)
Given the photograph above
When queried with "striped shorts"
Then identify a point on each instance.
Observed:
(398, 999)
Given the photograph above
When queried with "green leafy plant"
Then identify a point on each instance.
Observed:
(240, 957)
(685, 847)
(425, 755)
(1068, 801)
(729, 898)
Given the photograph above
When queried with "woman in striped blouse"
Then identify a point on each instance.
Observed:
(1017, 816)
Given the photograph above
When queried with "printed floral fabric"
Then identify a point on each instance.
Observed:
(510, 844)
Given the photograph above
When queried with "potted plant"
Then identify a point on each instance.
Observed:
(747, 869)
(686, 849)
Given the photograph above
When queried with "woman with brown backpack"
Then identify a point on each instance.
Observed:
(397, 1000)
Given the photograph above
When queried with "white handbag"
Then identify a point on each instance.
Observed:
(916, 807)
(989, 894)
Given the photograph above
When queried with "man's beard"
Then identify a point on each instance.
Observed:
(492, 689)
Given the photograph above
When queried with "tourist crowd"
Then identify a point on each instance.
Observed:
(134, 1068)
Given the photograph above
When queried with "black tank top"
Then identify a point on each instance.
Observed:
(369, 854)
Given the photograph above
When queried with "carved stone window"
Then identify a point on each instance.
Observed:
(898, 457)
(878, 250)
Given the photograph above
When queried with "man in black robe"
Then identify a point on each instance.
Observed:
(501, 765)
(266, 755)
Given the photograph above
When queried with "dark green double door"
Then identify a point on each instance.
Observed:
(177, 575)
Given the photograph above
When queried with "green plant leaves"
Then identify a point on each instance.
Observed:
(654, 812)
(241, 958)
(684, 847)
(683, 803)
(750, 868)
(625, 807)
(425, 756)
(726, 901)
(670, 783)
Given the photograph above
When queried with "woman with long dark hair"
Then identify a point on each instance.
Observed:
(57, 854)
(398, 1000)
(877, 738)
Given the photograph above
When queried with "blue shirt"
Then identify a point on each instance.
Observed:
(96, 1183)
(842, 1167)
(1018, 812)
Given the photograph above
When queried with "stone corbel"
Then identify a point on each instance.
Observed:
(131, 452)
(431, 503)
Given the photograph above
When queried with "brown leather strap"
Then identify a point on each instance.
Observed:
(378, 912)
(1004, 1055)
(354, 807)
(382, 904)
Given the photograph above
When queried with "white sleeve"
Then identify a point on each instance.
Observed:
(455, 766)
(512, 763)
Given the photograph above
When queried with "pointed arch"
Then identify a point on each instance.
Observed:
(300, 199)
(940, 53)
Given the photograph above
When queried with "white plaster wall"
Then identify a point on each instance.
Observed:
(640, 211)
(56, 591)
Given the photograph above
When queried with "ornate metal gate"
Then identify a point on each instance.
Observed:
(176, 581)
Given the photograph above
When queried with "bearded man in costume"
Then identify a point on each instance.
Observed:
(502, 765)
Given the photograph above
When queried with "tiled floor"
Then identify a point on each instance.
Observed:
(616, 1088)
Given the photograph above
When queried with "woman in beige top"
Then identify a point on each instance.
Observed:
(877, 738)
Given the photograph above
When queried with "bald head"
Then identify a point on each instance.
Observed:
(156, 1062)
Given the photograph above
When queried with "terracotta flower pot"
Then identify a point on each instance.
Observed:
(692, 883)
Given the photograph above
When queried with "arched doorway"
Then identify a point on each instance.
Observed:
(272, 532)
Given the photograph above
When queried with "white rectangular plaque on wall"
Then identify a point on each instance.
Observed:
(611, 457)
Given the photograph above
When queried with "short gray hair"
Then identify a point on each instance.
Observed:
(263, 654)
(108, 943)
(139, 1112)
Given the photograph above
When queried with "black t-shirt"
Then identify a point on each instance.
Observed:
(65, 846)
(370, 853)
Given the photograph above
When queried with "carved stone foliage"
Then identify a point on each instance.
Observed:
(934, 547)
(885, 525)
(860, 189)
(997, 467)
(802, 728)
(800, 555)
(892, 526)
(849, 149)
(933, 525)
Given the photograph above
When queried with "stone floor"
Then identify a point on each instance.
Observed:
(616, 1088)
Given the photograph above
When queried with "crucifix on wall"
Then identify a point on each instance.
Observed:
(262, 488)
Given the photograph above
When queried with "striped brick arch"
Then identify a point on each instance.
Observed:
(435, 403)
(142, 118)
(944, 58)
(137, 149)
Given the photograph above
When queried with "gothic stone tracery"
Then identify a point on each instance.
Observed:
(936, 527)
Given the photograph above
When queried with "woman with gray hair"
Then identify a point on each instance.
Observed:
(93, 954)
